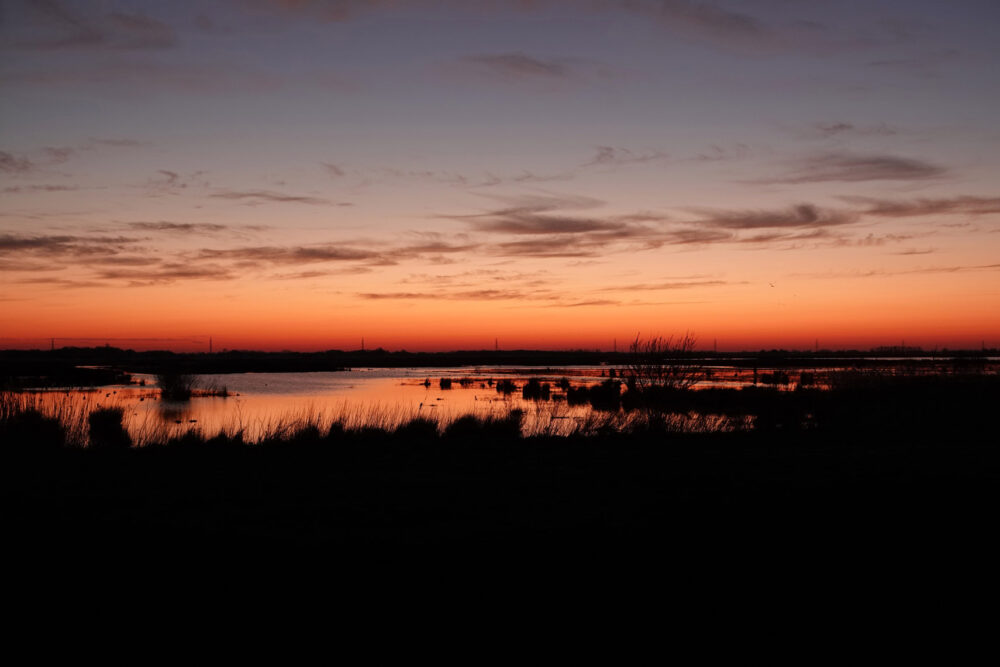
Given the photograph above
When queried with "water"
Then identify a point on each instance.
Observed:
(260, 403)
(267, 403)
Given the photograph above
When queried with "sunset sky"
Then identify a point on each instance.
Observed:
(553, 174)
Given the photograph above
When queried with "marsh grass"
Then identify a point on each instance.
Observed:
(864, 403)
(176, 386)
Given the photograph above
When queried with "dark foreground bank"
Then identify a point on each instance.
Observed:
(902, 462)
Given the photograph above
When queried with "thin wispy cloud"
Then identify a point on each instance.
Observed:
(18, 189)
(333, 170)
(51, 25)
(15, 164)
(519, 65)
(257, 197)
(607, 156)
(291, 254)
(178, 227)
(925, 64)
(882, 273)
(666, 286)
(65, 244)
(707, 20)
(800, 216)
(467, 295)
(129, 76)
(851, 167)
(842, 129)
(166, 273)
(965, 205)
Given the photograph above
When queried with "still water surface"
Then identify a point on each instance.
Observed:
(262, 403)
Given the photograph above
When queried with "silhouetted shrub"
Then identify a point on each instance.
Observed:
(564, 384)
(336, 431)
(534, 390)
(470, 427)
(606, 396)
(418, 428)
(306, 436)
(175, 386)
(445, 383)
(662, 362)
(107, 430)
(578, 395)
(31, 431)
(776, 378)
(506, 387)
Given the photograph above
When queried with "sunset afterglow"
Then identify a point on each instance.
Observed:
(463, 175)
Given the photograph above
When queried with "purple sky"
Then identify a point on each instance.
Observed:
(601, 165)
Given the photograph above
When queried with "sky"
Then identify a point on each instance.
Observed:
(435, 175)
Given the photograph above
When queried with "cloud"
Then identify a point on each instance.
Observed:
(256, 197)
(526, 222)
(848, 167)
(119, 143)
(799, 216)
(693, 237)
(142, 75)
(168, 182)
(292, 254)
(16, 189)
(481, 180)
(52, 25)
(429, 248)
(519, 65)
(327, 10)
(178, 227)
(333, 170)
(914, 251)
(13, 164)
(716, 153)
(924, 64)
(881, 273)
(53, 155)
(166, 273)
(673, 285)
(713, 23)
(967, 205)
(613, 156)
(549, 248)
(539, 229)
(49, 245)
(707, 20)
(587, 304)
(835, 129)
(469, 295)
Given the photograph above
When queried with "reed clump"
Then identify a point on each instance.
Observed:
(107, 430)
(175, 386)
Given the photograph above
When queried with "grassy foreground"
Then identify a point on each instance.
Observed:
(881, 459)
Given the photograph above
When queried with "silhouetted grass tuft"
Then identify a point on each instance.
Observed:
(418, 428)
(30, 430)
(175, 386)
(534, 390)
(502, 426)
(107, 430)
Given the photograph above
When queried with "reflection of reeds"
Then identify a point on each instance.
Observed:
(69, 423)
(859, 404)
